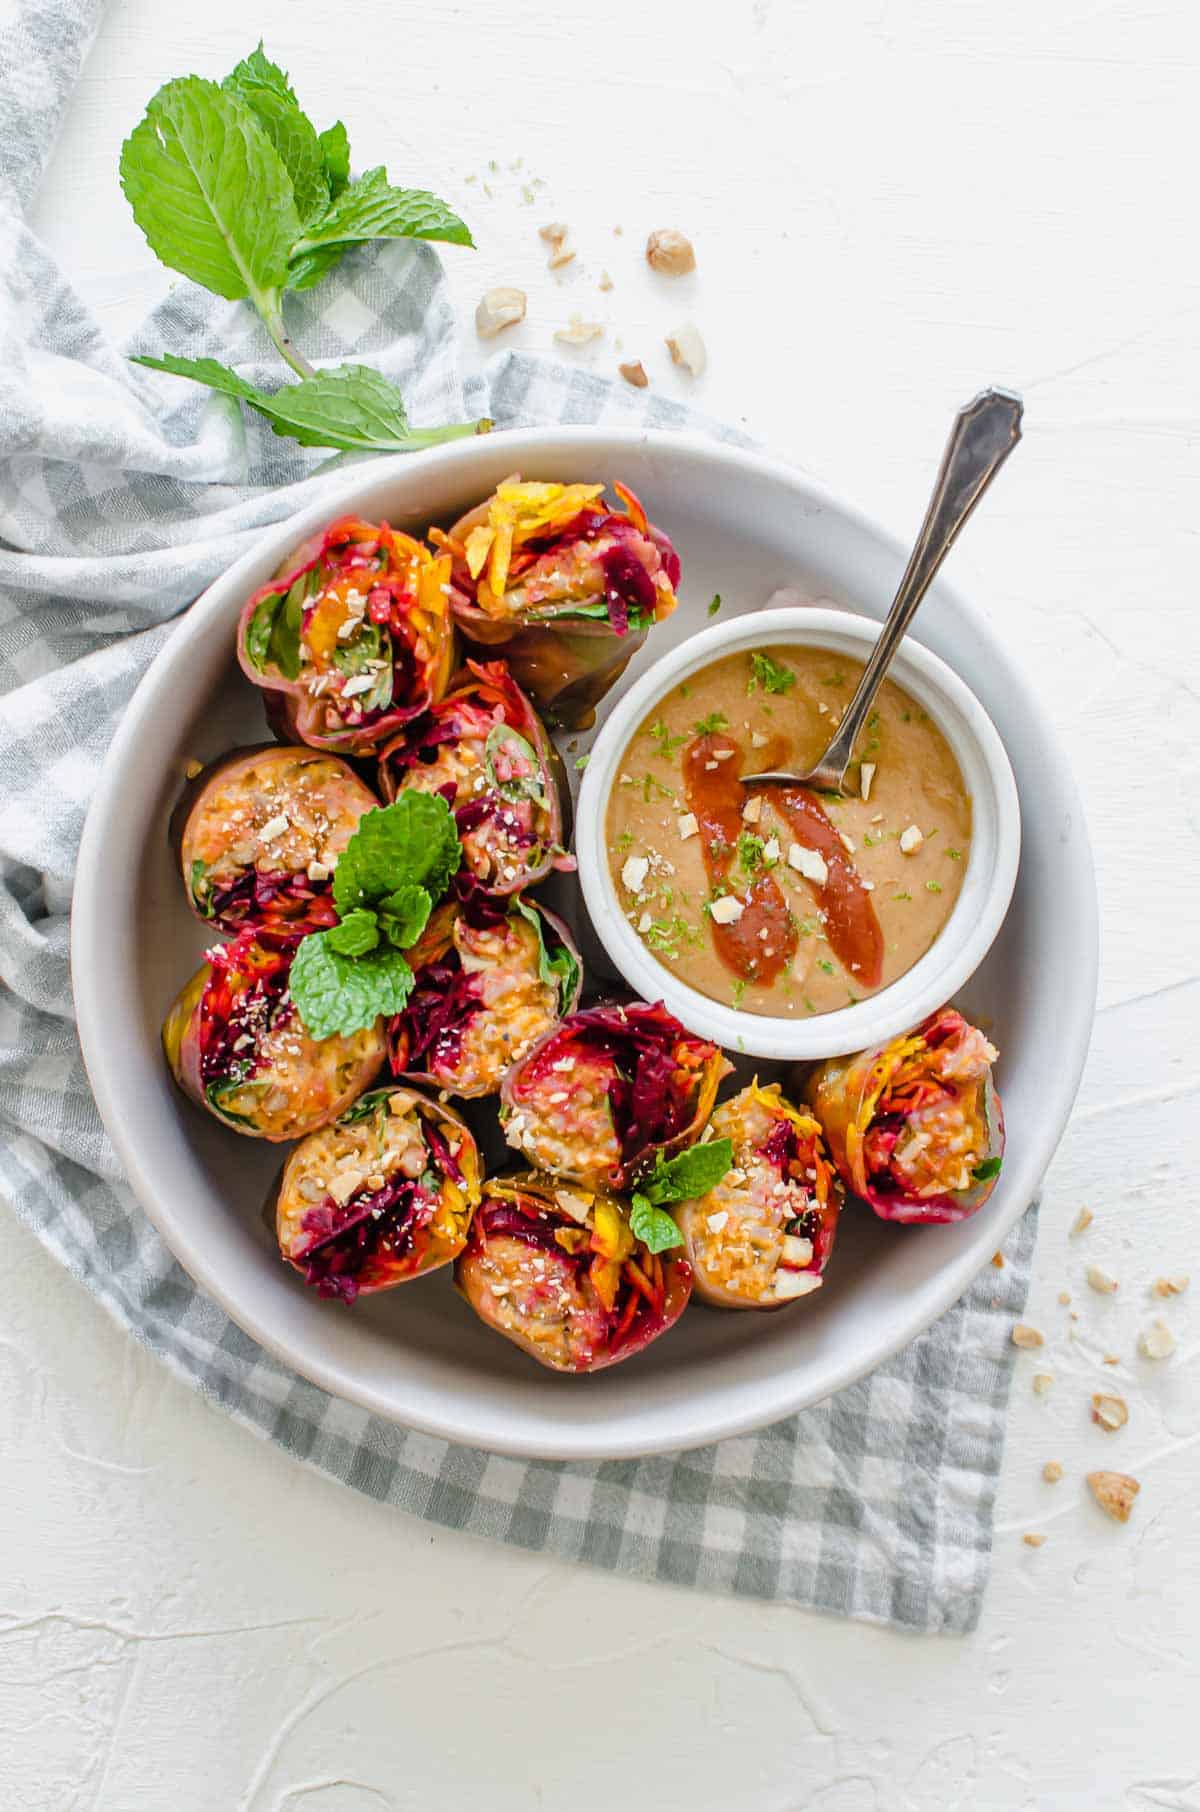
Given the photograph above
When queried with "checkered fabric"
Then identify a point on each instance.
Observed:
(122, 494)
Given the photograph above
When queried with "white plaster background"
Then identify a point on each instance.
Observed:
(892, 204)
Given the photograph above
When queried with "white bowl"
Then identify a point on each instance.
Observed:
(744, 526)
(987, 885)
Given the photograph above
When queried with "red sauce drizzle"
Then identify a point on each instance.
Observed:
(717, 796)
(851, 922)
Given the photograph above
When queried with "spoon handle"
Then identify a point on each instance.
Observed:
(984, 434)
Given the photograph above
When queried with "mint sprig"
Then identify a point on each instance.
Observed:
(388, 879)
(680, 1179)
(233, 186)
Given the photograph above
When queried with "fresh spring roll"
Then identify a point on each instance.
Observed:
(236, 1044)
(491, 978)
(262, 834)
(763, 1236)
(601, 1096)
(484, 749)
(352, 638)
(383, 1195)
(915, 1126)
(565, 587)
(558, 1272)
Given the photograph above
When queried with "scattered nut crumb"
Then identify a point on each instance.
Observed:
(1171, 1286)
(1157, 1341)
(1109, 1412)
(562, 254)
(1052, 1471)
(866, 775)
(193, 768)
(1114, 1492)
(578, 332)
(688, 350)
(1111, 1359)
(605, 281)
(1042, 1382)
(911, 839)
(670, 253)
(1082, 1221)
(498, 309)
(1064, 1296)
(998, 1260)
(1100, 1280)
(1033, 1541)
(554, 232)
(634, 373)
(1023, 1335)
(617, 231)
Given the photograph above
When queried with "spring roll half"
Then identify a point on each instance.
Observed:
(558, 1271)
(352, 638)
(262, 834)
(565, 587)
(236, 1044)
(915, 1126)
(484, 749)
(762, 1237)
(383, 1195)
(492, 976)
(607, 1091)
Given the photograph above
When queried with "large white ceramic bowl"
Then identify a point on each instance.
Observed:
(744, 526)
(987, 885)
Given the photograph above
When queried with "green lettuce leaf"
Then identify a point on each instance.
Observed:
(335, 993)
(210, 191)
(558, 970)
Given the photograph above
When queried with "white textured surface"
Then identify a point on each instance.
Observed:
(905, 202)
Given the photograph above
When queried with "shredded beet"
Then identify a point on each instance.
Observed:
(344, 1239)
(275, 898)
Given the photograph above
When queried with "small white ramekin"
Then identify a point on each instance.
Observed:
(987, 885)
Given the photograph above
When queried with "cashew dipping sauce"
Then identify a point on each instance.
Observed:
(784, 901)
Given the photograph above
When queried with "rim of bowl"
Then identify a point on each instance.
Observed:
(108, 1045)
(987, 885)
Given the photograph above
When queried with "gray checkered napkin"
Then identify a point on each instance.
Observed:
(123, 494)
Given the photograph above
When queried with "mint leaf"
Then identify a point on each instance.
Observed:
(693, 1173)
(267, 92)
(372, 209)
(653, 1226)
(560, 970)
(335, 152)
(210, 191)
(258, 71)
(335, 993)
(983, 1173)
(404, 914)
(273, 633)
(350, 406)
(414, 841)
(357, 933)
(769, 674)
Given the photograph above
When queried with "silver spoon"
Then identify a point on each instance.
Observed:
(984, 434)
